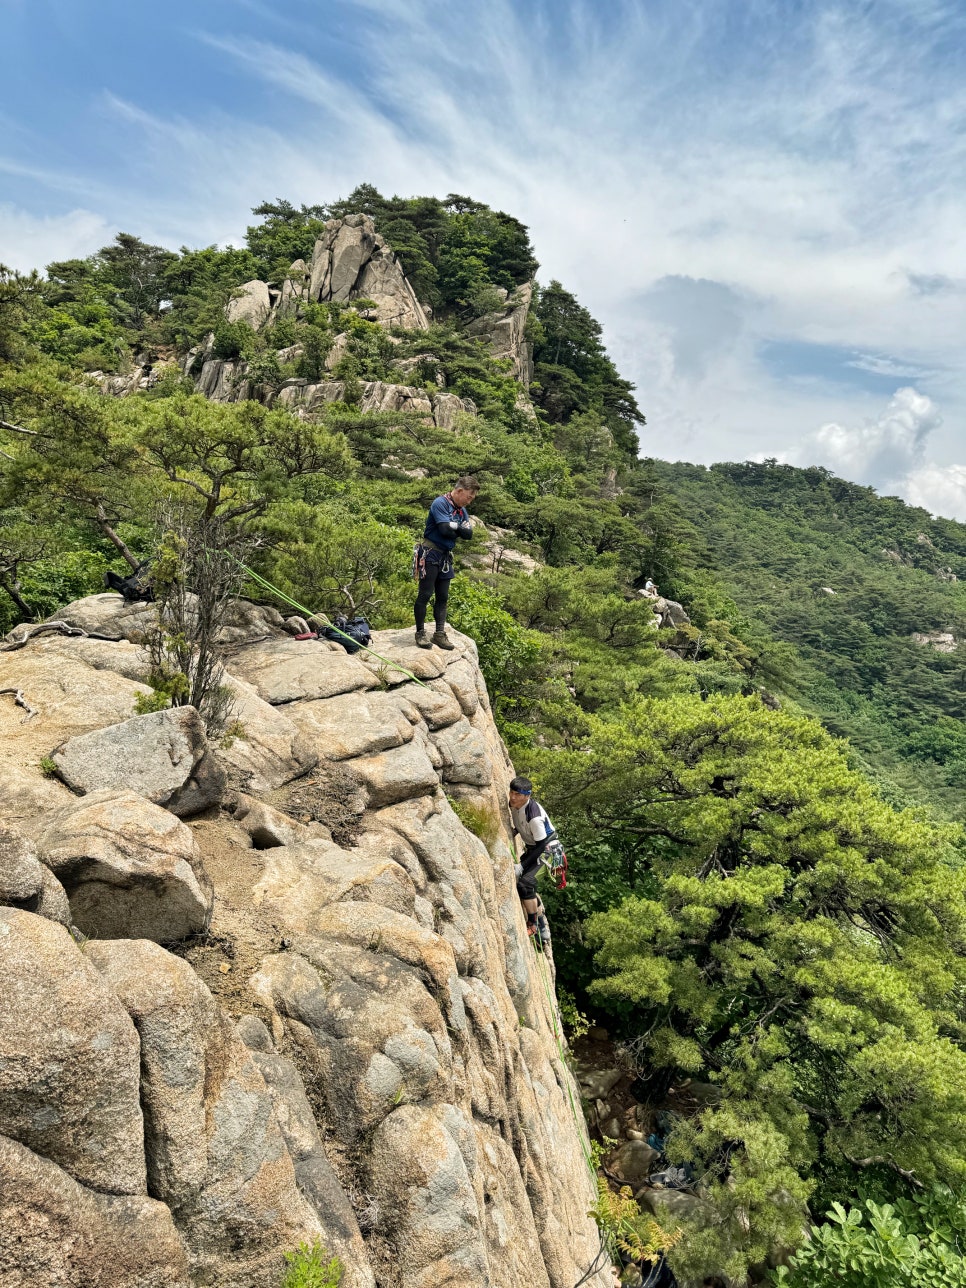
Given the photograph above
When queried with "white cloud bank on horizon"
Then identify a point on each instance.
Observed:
(889, 453)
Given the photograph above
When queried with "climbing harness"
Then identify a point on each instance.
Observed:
(421, 552)
(286, 599)
(554, 859)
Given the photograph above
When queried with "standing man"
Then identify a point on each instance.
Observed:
(448, 519)
(531, 824)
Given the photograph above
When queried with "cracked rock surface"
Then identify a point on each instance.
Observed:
(356, 1046)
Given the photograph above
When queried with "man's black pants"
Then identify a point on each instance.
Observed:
(433, 582)
(530, 862)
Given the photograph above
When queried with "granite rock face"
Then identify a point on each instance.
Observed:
(69, 1059)
(215, 1151)
(504, 331)
(361, 1047)
(53, 1230)
(162, 756)
(351, 261)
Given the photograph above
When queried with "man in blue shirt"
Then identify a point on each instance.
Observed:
(448, 520)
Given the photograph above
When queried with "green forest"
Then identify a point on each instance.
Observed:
(762, 808)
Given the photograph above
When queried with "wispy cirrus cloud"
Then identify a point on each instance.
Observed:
(762, 203)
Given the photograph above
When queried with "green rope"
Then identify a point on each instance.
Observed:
(293, 603)
(579, 1121)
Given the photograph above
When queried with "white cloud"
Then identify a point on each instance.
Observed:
(29, 241)
(938, 489)
(883, 450)
(890, 453)
(880, 366)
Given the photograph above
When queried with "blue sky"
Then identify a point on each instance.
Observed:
(762, 202)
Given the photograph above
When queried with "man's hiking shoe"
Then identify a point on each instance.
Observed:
(422, 640)
(442, 640)
(545, 934)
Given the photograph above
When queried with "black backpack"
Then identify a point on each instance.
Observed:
(356, 628)
(137, 587)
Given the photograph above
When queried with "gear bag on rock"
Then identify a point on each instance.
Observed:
(137, 587)
(356, 628)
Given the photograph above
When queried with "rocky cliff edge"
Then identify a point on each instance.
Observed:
(273, 990)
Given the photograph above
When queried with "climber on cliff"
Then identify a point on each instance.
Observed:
(531, 824)
(448, 519)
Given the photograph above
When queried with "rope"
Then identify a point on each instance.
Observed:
(274, 590)
(593, 1268)
(579, 1123)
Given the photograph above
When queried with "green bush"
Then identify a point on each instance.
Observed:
(312, 1267)
(482, 820)
(914, 1243)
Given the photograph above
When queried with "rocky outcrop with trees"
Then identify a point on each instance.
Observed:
(272, 987)
(296, 846)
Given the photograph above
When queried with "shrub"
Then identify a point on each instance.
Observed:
(482, 820)
(914, 1243)
(312, 1267)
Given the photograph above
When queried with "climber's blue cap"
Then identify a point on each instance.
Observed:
(521, 785)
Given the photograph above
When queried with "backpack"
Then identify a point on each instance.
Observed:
(356, 628)
(136, 587)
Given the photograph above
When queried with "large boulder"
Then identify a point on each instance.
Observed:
(131, 870)
(21, 874)
(162, 756)
(263, 747)
(447, 408)
(465, 755)
(635, 1161)
(215, 1151)
(27, 883)
(250, 303)
(69, 1059)
(396, 775)
(55, 1231)
(109, 615)
(377, 395)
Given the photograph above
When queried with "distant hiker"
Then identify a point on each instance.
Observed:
(531, 824)
(448, 519)
(650, 589)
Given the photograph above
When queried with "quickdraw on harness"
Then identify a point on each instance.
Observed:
(418, 570)
(554, 859)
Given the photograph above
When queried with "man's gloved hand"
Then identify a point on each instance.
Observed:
(466, 530)
(518, 870)
(453, 525)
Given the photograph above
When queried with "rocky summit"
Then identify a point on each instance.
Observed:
(269, 990)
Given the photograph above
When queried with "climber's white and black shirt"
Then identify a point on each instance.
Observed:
(532, 823)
